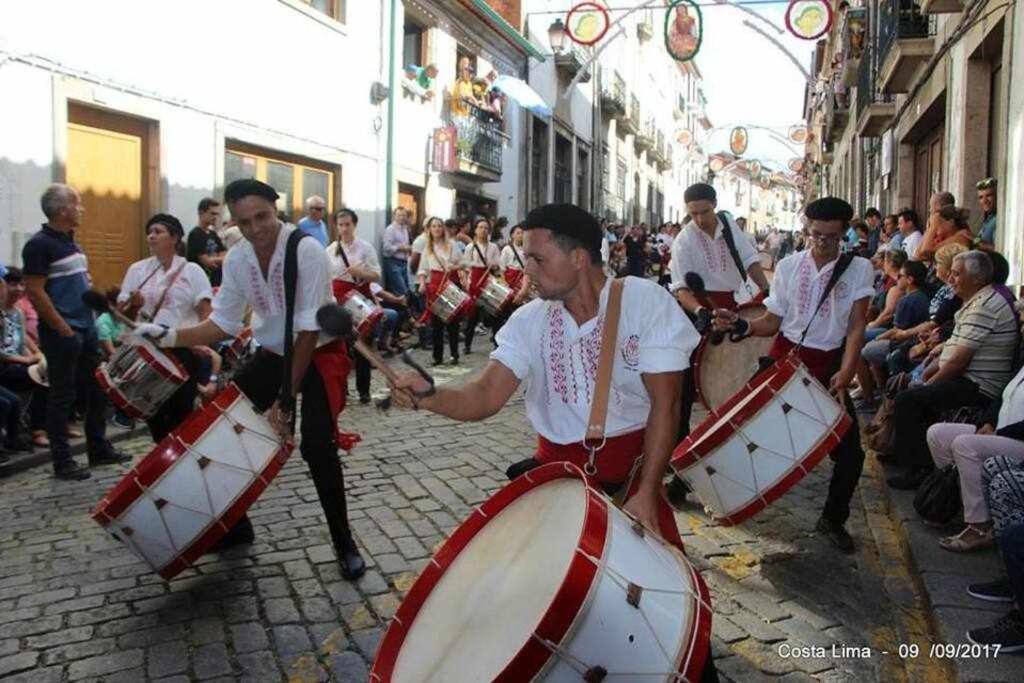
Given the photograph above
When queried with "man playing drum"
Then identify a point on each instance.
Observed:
(817, 310)
(254, 275)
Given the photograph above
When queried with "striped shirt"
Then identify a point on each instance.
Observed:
(988, 325)
(56, 256)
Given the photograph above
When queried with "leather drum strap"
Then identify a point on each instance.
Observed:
(595, 436)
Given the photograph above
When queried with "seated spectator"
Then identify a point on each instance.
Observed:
(987, 202)
(910, 229)
(109, 331)
(1003, 483)
(911, 311)
(18, 353)
(888, 297)
(948, 226)
(974, 365)
(396, 310)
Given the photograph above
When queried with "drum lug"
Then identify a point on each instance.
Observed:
(633, 595)
(595, 674)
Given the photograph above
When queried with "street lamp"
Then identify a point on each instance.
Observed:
(556, 35)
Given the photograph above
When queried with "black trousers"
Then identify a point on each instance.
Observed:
(14, 376)
(918, 408)
(686, 401)
(471, 322)
(363, 369)
(848, 463)
(181, 403)
(437, 330)
(260, 380)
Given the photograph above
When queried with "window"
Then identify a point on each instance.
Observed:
(539, 163)
(294, 178)
(414, 45)
(583, 179)
(620, 178)
(335, 9)
(563, 170)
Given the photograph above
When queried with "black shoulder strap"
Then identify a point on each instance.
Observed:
(483, 259)
(841, 265)
(515, 252)
(343, 255)
(291, 280)
(730, 242)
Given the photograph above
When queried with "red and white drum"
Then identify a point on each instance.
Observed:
(139, 378)
(720, 370)
(451, 303)
(548, 580)
(365, 312)
(179, 500)
(761, 442)
(496, 296)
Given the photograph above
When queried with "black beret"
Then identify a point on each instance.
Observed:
(698, 192)
(829, 209)
(567, 219)
(172, 224)
(246, 187)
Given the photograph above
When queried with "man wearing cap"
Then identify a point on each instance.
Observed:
(825, 332)
(254, 276)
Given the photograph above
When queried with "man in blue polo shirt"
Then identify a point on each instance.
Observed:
(56, 276)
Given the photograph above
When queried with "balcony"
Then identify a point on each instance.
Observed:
(613, 207)
(854, 34)
(478, 144)
(613, 97)
(875, 111)
(905, 42)
(837, 115)
(941, 6)
(631, 122)
(571, 61)
(645, 138)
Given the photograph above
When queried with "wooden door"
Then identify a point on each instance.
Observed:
(921, 180)
(105, 163)
(410, 198)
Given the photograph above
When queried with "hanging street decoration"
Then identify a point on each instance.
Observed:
(809, 19)
(798, 134)
(755, 168)
(738, 140)
(796, 165)
(587, 23)
(716, 164)
(684, 30)
(684, 138)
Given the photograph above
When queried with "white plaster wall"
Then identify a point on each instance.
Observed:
(1012, 214)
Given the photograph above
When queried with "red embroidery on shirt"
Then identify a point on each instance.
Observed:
(556, 353)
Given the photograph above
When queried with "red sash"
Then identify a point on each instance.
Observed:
(821, 364)
(333, 363)
(514, 278)
(614, 463)
(723, 300)
(477, 279)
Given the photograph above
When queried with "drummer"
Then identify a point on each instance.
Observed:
(439, 265)
(480, 260)
(826, 334)
(514, 265)
(354, 265)
(254, 276)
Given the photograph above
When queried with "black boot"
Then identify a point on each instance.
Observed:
(352, 564)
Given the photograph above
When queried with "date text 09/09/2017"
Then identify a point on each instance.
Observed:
(905, 651)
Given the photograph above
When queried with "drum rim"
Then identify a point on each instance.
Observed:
(698, 354)
(570, 598)
(687, 454)
(115, 395)
(370, 322)
(149, 354)
(159, 460)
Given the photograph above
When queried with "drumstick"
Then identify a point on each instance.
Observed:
(695, 283)
(99, 303)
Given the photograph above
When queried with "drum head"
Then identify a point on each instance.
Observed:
(723, 369)
(484, 608)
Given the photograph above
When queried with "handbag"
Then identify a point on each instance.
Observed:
(938, 497)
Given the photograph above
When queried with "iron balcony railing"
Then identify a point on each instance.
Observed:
(867, 82)
(479, 138)
(900, 19)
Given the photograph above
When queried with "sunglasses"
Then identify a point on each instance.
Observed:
(986, 184)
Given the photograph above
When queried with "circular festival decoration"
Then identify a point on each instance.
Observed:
(796, 165)
(738, 140)
(587, 22)
(798, 134)
(716, 164)
(809, 19)
(684, 30)
(755, 168)
(684, 137)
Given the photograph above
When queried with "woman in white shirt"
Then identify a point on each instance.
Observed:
(481, 260)
(513, 264)
(168, 290)
(439, 265)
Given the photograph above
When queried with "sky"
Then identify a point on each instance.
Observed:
(748, 81)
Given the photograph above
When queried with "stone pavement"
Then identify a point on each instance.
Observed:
(75, 605)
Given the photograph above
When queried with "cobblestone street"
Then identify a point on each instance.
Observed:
(75, 605)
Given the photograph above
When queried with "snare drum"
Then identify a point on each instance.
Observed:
(451, 303)
(139, 378)
(548, 580)
(495, 297)
(761, 442)
(720, 370)
(181, 499)
(365, 312)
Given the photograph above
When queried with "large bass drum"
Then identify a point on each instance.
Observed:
(720, 370)
(549, 581)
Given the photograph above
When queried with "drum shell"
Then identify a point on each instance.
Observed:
(720, 370)
(139, 378)
(495, 297)
(365, 312)
(451, 303)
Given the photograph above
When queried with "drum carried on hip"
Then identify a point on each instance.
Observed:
(761, 442)
(365, 312)
(720, 370)
(496, 296)
(181, 499)
(139, 378)
(451, 303)
(548, 580)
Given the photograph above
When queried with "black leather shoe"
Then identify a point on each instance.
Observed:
(110, 457)
(909, 480)
(72, 471)
(364, 398)
(837, 534)
(352, 564)
(676, 491)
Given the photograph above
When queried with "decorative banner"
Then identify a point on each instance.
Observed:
(587, 23)
(755, 168)
(798, 134)
(809, 19)
(738, 140)
(444, 158)
(796, 165)
(685, 138)
(684, 30)
(716, 164)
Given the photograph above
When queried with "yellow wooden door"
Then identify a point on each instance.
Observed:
(106, 167)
